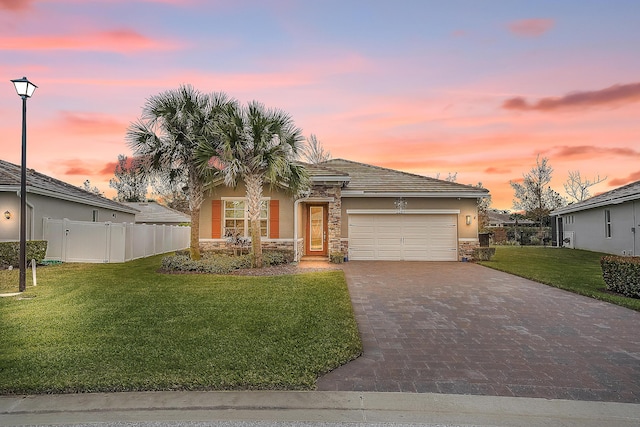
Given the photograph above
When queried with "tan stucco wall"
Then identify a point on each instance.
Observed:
(286, 208)
(466, 207)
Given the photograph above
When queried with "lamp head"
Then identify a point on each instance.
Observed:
(24, 87)
(7, 214)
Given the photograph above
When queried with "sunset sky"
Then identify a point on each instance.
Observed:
(473, 87)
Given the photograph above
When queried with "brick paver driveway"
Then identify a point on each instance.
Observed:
(465, 329)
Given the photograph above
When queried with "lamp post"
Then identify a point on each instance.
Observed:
(25, 89)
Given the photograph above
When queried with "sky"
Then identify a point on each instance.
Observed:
(477, 88)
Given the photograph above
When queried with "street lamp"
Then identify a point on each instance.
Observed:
(25, 89)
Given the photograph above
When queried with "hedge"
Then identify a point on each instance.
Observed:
(622, 275)
(10, 252)
(219, 263)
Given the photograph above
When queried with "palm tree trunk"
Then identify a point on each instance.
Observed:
(195, 202)
(254, 196)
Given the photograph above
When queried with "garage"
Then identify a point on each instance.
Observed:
(403, 237)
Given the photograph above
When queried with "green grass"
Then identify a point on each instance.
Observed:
(569, 269)
(117, 327)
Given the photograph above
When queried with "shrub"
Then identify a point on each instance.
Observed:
(10, 252)
(336, 257)
(483, 254)
(276, 257)
(622, 274)
(219, 263)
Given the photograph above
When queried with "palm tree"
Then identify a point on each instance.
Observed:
(166, 137)
(256, 145)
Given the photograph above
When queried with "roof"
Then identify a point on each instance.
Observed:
(368, 180)
(154, 213)
(37, 183)
(619, 195)
(505, 218)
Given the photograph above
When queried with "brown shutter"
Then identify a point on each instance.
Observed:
(274, 219)
(216, 219)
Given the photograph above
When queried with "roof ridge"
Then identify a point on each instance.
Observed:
(403, 172)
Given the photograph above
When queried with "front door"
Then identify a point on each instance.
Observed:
(317, 230)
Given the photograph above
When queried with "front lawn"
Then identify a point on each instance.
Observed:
(570, 269)
(117, 327)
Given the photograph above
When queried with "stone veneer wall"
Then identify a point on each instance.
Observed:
(466, 247)
(283, 245)
(335, 213)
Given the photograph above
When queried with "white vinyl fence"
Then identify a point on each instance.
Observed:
(102, 242)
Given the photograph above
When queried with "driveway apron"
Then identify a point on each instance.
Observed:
(461, 328)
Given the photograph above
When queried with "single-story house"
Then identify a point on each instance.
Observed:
(50, 198)
(366, 212)
(155, 213)
(499, 219)
(608, 222)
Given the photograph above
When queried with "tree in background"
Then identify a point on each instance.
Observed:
(534, 195)
(313, 152)
(174, 194)
(129, 183)
(86, 186)
(166, 137)
(258, 146)
(577, 188)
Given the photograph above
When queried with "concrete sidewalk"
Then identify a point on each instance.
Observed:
(311, 408)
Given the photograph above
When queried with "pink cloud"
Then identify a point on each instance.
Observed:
(589, 151)
(15, 5)
(90, 124)
(613, 95)
(531, 27)
(633, 177)
(120, 40)
(494, 170)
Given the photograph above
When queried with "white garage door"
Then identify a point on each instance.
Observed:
(399, 237)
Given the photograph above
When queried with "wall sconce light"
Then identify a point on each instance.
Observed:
(7, 214)
(468, 219)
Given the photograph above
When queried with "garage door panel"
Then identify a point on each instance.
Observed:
(403, 237)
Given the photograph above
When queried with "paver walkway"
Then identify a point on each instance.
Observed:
(465, 329)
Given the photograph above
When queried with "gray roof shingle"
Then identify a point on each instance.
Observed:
(154, 213)
(619, 195)
(38, 183)
(375, 180)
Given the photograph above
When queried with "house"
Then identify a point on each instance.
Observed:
(367, 212)
(155, 213)
(608, 222)
(502, 219)
(50, 198)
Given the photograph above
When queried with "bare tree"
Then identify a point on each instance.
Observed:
(313, 152)
(86, 186)
(577, 189)
(131, 186)
(534, 195)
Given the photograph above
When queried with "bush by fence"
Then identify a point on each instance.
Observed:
(10, 252)
(622, 275)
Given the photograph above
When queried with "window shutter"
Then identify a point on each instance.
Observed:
(216, 219)
(274, 219)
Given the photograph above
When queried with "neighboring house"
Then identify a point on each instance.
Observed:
(499, 219)
(50, 198)
(608, 222)
(365, 211)
(154, 213)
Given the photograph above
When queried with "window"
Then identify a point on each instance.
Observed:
(607, 223)
(236, 217)
(94, 215)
